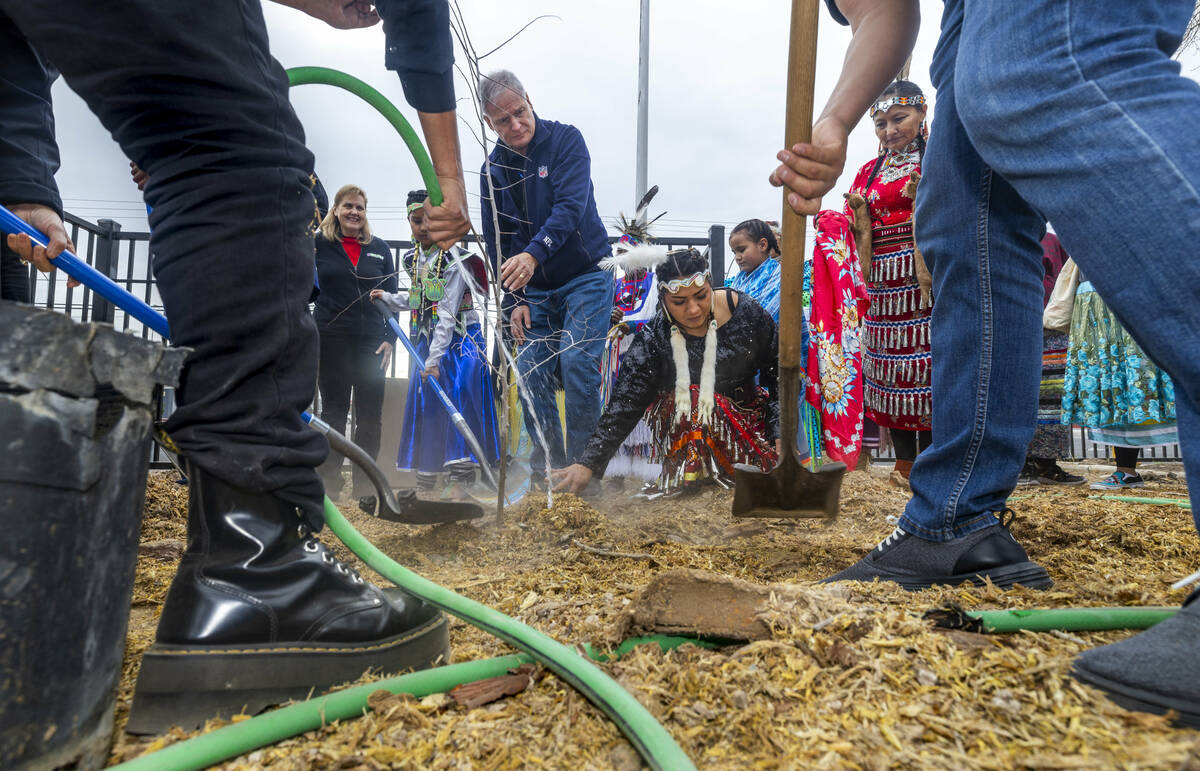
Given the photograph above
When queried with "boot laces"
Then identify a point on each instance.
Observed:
(313, 545)
(895, 536)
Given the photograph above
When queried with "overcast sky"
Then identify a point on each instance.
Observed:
(717, 82)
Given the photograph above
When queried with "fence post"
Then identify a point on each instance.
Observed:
(716, 253)
(106, 263)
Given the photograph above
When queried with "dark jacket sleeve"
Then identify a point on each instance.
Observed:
(28, 152)
(837, 14)
(419, 49)
(570, 181)
(638, 383)
(767, 334)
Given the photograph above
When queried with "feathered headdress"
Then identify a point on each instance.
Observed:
(636, 230)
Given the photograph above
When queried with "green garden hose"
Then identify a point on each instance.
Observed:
(1072, 619)
(275, 726)
(639, 726)
(302, 76)
(1050, 619)
(279, 724)
(1182, 503)
(644, 732)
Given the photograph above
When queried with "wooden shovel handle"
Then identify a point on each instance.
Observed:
(801, 80)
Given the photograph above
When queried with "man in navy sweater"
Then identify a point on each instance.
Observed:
(550, 239)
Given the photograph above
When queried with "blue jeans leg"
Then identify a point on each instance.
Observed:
(1104, 142)
(1089, 123)
(587, 307)
(536, 361)
(981, 243)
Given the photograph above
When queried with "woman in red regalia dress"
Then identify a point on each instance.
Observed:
(897, 362)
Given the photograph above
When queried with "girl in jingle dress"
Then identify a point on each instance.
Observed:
(446, 331)
(635, 300)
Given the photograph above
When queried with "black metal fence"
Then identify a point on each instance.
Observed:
(124, 256)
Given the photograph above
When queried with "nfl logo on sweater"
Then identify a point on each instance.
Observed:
(542, 172)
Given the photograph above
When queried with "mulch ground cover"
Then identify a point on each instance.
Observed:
(848, 678)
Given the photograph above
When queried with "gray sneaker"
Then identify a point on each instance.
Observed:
(1153, 671)
(914, 563)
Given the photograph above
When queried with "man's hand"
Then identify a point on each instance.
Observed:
(46, 220)
(339, 14)
(140, 178)
(450, 221)
(385, 348)
(432, 371)
(518, 322)
(809, 171)
(517, 270)
(571, 479)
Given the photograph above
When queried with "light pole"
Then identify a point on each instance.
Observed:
(643, 106)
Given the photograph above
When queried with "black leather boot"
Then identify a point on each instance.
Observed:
(261, 612)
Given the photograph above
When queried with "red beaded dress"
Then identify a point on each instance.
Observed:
(897, 362)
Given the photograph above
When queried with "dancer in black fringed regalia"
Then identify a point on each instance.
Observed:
(691, 372)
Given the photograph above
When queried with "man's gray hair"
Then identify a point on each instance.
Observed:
(493, 85)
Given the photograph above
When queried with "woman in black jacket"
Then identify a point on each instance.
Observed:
(356, 343)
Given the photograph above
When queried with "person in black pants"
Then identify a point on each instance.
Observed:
(356, 343)
(260, 610)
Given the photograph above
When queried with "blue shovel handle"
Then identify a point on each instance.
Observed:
(89, 276)
(456, 417)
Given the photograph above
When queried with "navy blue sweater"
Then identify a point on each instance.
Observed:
(547, 206)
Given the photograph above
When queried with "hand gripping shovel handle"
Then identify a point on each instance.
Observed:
(89, 276)
(109, 290)
(460, 423)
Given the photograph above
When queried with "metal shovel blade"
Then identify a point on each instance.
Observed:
(789, 490)
(411, 510)
(403, 506)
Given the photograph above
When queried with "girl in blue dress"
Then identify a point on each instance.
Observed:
(445, 328)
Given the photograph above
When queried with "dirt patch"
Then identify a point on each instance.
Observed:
(840, 681)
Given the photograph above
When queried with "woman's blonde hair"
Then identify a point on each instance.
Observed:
(330, 227)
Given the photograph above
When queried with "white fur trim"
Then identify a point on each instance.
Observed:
(644, 256)
(708, 375)
(683, 378)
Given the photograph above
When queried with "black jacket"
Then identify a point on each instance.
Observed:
(344, 307)
(28, 152)
(747, 347)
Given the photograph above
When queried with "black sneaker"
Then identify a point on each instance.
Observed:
(988, 554)
(1054, 474)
